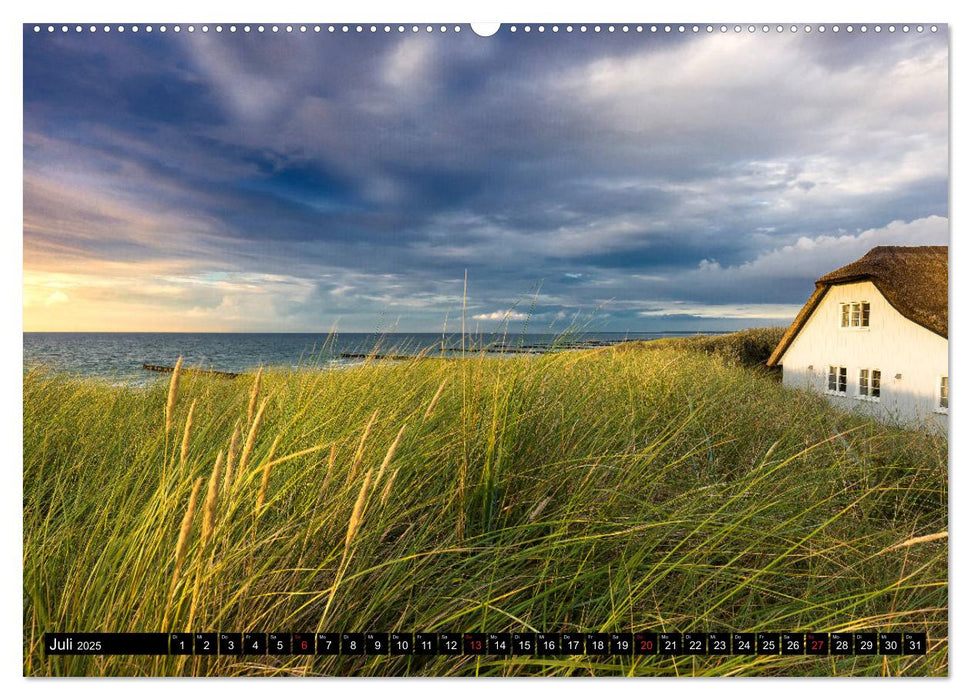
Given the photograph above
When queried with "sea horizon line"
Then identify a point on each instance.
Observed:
(434, 332)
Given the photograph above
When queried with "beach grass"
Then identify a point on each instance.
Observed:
(646, 486)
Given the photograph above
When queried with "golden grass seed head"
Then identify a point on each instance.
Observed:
(251, 437)
(387, 487)
(261, 496)
(254, 394)
(209, 509)
(173, 395)
(359, 455)
(434, 401)
(231, 457)
(183, 542)
(331, 462)
(357, 513)
(390, 454)
(187, 435)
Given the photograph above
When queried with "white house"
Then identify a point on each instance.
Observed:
(873, 336)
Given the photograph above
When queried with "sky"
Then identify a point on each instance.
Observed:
(614, 181)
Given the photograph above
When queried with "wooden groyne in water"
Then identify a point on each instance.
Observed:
(190, 370)
(534, 348)
(374, 356)
(497, 349)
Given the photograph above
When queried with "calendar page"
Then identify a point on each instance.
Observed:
(524, 349)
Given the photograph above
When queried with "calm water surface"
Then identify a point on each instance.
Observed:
(119, 356)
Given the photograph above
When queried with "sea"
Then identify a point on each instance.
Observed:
(119, 357)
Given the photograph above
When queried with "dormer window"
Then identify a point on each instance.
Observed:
(855, 314)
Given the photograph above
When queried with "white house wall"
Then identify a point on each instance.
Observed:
(911, 359)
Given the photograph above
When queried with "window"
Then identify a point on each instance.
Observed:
(855, 314)
(837, 380)
(870, 384)
(942, 395)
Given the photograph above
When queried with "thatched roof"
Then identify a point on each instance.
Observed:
(912, 278)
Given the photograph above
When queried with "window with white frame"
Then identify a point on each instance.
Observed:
(942, 394)
(869, 384)
(837, 380)
(855, 314)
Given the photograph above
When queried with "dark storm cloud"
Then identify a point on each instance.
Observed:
(659, 178)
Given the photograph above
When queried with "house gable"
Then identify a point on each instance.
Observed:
(912, 280)
(910, 361)
(821, 334)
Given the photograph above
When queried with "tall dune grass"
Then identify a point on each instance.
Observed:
(639, 487)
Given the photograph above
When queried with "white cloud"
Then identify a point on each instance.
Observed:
(821, 254)
(782, 312)
(718, 84)
(248, 95)
(501, 316)
(409, 64)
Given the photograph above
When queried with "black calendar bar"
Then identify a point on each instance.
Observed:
(493, 644)
(90, 643)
